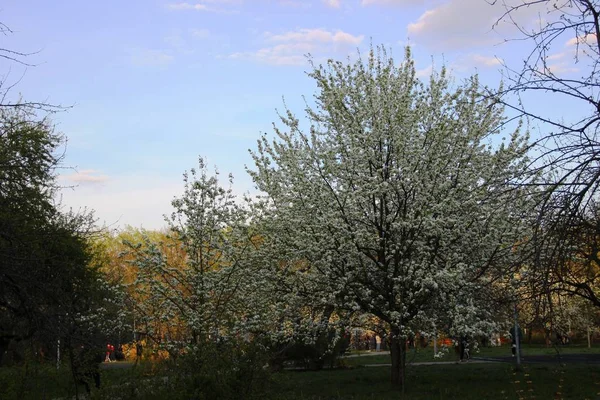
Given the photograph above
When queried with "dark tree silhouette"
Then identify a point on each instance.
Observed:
(562, 64)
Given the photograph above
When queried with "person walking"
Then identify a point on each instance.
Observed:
(138, 351)
(465, 355)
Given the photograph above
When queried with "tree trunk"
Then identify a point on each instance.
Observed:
(398, 354)
(323, 339)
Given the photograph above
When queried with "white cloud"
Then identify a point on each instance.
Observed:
(294, 3)
(288, 54)
(182, 42)
(557, 56)
(200, 33)
(569, 58)
(590, 38)
(392, 2)
(444, 27)
(206, 5)
(149, 57)
(561, 68)
(470, 62)
(175, 40)
(85, 176)
(188, 6)
(290, 48)
(333, 3)
(136, 200)
(464, 24)
(126, 200)
(484, 61)
(317, 36)
(572, 54)
(424, 72)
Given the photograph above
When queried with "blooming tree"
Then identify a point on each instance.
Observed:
(190, 280)
(398, 197)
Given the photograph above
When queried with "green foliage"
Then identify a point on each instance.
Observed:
(48, 289)
(38, 251)
(28, 158)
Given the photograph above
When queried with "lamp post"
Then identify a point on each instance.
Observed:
(517, 338)
(58, 354)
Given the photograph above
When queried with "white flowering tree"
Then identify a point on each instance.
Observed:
(191, 282)
(399, 196)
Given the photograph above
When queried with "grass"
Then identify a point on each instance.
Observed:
(34, 380)
(443, 381)
(465, 381)
(43, 381)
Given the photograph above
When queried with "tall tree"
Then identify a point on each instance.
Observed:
(400, 195)
(27, 163)
(46, 285)
(563, 65)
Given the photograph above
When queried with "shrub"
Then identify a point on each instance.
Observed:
(227, 370)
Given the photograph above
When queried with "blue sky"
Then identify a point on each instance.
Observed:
(154, 84)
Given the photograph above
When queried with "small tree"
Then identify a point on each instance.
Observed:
(397, 197)
(197, 275)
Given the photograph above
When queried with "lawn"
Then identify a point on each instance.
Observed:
(463, 381)
(443, 381)
(43, 381)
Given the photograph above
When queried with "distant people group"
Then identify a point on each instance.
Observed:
(110, 353)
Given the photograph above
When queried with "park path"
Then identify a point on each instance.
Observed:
(471, 361)
(371, 353)
(117, 365)
(593, 359)
(590, 359)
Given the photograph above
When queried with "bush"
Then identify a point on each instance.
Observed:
(34, 380)
(326, 350)
(227, 370)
